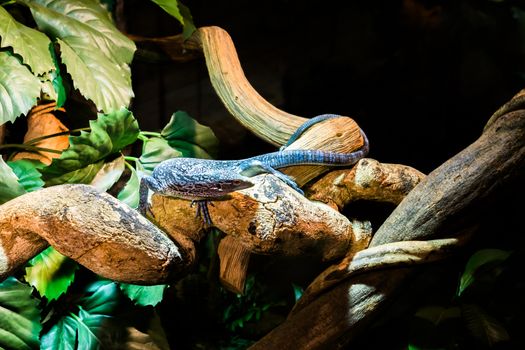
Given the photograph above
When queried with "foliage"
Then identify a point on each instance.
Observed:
(474, 318)
(19, 316)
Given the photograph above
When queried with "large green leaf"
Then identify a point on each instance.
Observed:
(83, 175)
(97, 78)
(156, 150)
(109, 134)
(9, 186)
(19, 89)
(86, 21)
(190, 137)
(51, 273)
(86, 327)
(476, 261)
(26, 170)
(19, 316)
(61, 336)
(95, 53)
(30, 44)
(484, 327)
(144, 295)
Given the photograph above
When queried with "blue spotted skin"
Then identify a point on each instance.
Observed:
(200, 180)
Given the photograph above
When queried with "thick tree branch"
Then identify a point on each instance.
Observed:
(93, 228)
(443, 205)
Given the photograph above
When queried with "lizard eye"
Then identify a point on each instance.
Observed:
(236, 182)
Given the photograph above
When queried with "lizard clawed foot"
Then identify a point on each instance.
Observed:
(202, 211)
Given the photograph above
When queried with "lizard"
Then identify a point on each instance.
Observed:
(202, 180)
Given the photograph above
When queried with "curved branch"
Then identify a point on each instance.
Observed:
(268, 218)
(95, 229)
(443, 204)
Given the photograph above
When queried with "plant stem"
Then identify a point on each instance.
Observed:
(37, 139)
(29, 148)
(150, 133)
(131, 159)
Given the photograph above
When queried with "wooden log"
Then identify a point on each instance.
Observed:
(234, 259)
(442, 205)
(367, 180)
(268, 218)
(95, 229)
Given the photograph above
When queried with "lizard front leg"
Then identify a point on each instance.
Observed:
(256, 167)
(146, 183)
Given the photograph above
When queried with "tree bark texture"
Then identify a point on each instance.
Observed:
(443, 205)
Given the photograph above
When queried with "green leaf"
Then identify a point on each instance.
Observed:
(156, 150)
(109, 174)
(9, 186)
(171, 7)
(144, 295)
(438, 314)
(62, 336)
(484, 327)
(130, 193)
(52, 84)
(101, 297)
(19, 316)
(97, 78)
(51, 273)
(190, 137)
(435, 328)
(19, 89)
(478, 260)
(95, 53)
(85, 21)
(188, 26)
(30, 44)
(80, 176)
(26, 170)
(86, 153)
(87, 327)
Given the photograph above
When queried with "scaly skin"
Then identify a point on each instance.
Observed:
(200, 180)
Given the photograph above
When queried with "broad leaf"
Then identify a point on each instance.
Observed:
(62, 336)
(86, 21)
(189, 136)
(109, 134)
(484, 327)
(144, 295)
(9, 186)
(26, 170)
(51, 273)
(435, 328)
(95, 53)
(109, 174)
(97, 78)
(130, 193)
(19, 316)
(156, 150)
(19, 89)
(86, 327)
(80, 176)
(30, 44)
(477, 260)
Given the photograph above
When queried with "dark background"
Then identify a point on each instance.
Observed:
(420, 77)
